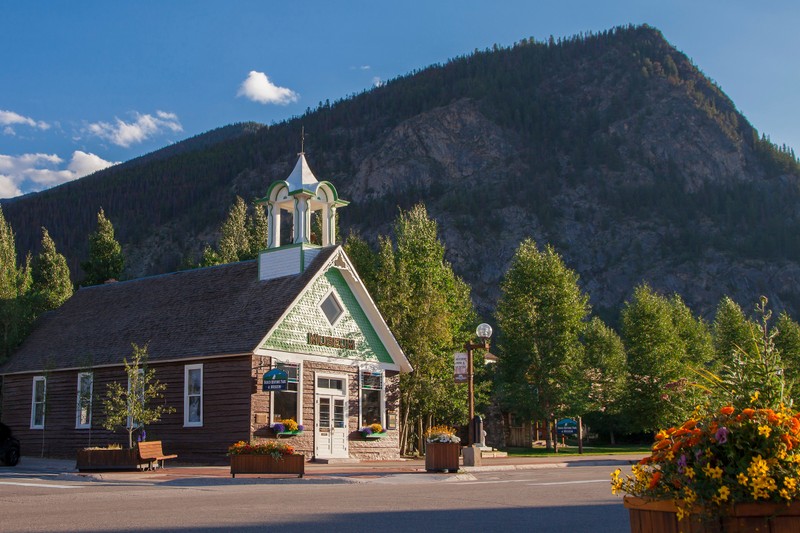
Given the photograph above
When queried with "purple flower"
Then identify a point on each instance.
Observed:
(300, 427)
(722, 435)
(278, 427)
(682, 461)
(366, 430)
(142, 436)
(698, 454)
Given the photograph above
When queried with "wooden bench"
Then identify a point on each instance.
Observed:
(150, 452)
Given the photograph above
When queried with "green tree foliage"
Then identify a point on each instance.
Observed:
(787, 342)
(732, 331)
(541, 314)
(657, 364)
(16, 312)
(604, 373)
(134, 404)
(105, 254)
(696, 343)
(755, 376)
(428, 308)
(364, 259)
(50, 273)
(242, 235)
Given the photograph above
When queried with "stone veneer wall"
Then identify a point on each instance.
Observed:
(360, 448)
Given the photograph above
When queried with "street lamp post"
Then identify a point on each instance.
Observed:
(484, 332)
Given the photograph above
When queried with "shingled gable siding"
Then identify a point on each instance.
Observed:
(226, 408)
(306, 317)
(373, 449)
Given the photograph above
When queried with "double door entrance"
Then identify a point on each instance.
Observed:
(330, 429)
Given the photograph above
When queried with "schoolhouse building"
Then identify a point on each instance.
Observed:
(240, 347)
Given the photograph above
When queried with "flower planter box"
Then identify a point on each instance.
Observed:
(442, 456)
(660, 516)
(266, 464)
(90, 459)
(373, 435)
(281, 434)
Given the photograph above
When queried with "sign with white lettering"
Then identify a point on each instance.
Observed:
(275, 379)
(460, 367)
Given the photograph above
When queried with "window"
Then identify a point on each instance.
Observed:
(330, 383)
(371, 398)
(285, 403)
(38, 397)
(193, 396)
(332, 308)
(83, 412)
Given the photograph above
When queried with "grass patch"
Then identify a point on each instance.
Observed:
(573, 450)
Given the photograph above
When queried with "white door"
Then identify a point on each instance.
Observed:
(330, 430)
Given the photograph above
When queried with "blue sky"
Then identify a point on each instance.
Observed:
(87, 83)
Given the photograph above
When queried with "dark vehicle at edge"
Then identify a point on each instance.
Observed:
(9, 446)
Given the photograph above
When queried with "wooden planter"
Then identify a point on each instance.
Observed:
(266, 464)
(123, 459)
(442, 456)
(659, 516)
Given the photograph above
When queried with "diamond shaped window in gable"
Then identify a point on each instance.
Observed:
(332, 308)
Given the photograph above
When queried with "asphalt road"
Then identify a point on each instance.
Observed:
(570, 499)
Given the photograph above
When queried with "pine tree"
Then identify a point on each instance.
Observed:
(16, 311)
(105, 254)
(50, 273)
(541, 315)
(258, 231)
(235, 240)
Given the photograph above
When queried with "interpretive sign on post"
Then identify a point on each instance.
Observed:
(567, 426)
(275, 379)
(461, 364)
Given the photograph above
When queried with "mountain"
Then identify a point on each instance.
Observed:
(613, 147)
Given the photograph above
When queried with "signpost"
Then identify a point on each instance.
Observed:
(275, 379)
(461, 367)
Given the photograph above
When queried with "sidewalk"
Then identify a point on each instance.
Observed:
(355, 471)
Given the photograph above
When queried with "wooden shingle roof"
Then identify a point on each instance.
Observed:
(220, 310)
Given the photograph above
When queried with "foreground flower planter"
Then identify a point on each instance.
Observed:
(660, 516)
(97, 459)
(266, 464)
(442, 456)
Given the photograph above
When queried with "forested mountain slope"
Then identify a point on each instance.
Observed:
(613, 147)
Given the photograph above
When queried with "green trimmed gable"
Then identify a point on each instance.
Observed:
(306, 317)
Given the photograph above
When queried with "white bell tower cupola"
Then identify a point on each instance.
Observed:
(300, 195)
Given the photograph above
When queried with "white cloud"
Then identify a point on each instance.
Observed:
(377, 82)
(258, 88)
(10, 119)
(35, 172)
(125, 134)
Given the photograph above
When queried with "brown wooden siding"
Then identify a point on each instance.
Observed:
(226, 410)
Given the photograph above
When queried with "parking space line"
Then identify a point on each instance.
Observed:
(569, 482)
(47, 485)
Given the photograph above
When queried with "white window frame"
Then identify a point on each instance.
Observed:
(382, 406)
(329, 293)
(78, 406)
(299, 414)
(34, 403)
(186, 370)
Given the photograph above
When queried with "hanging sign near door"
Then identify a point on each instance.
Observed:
(275, 379)
(460, 367)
